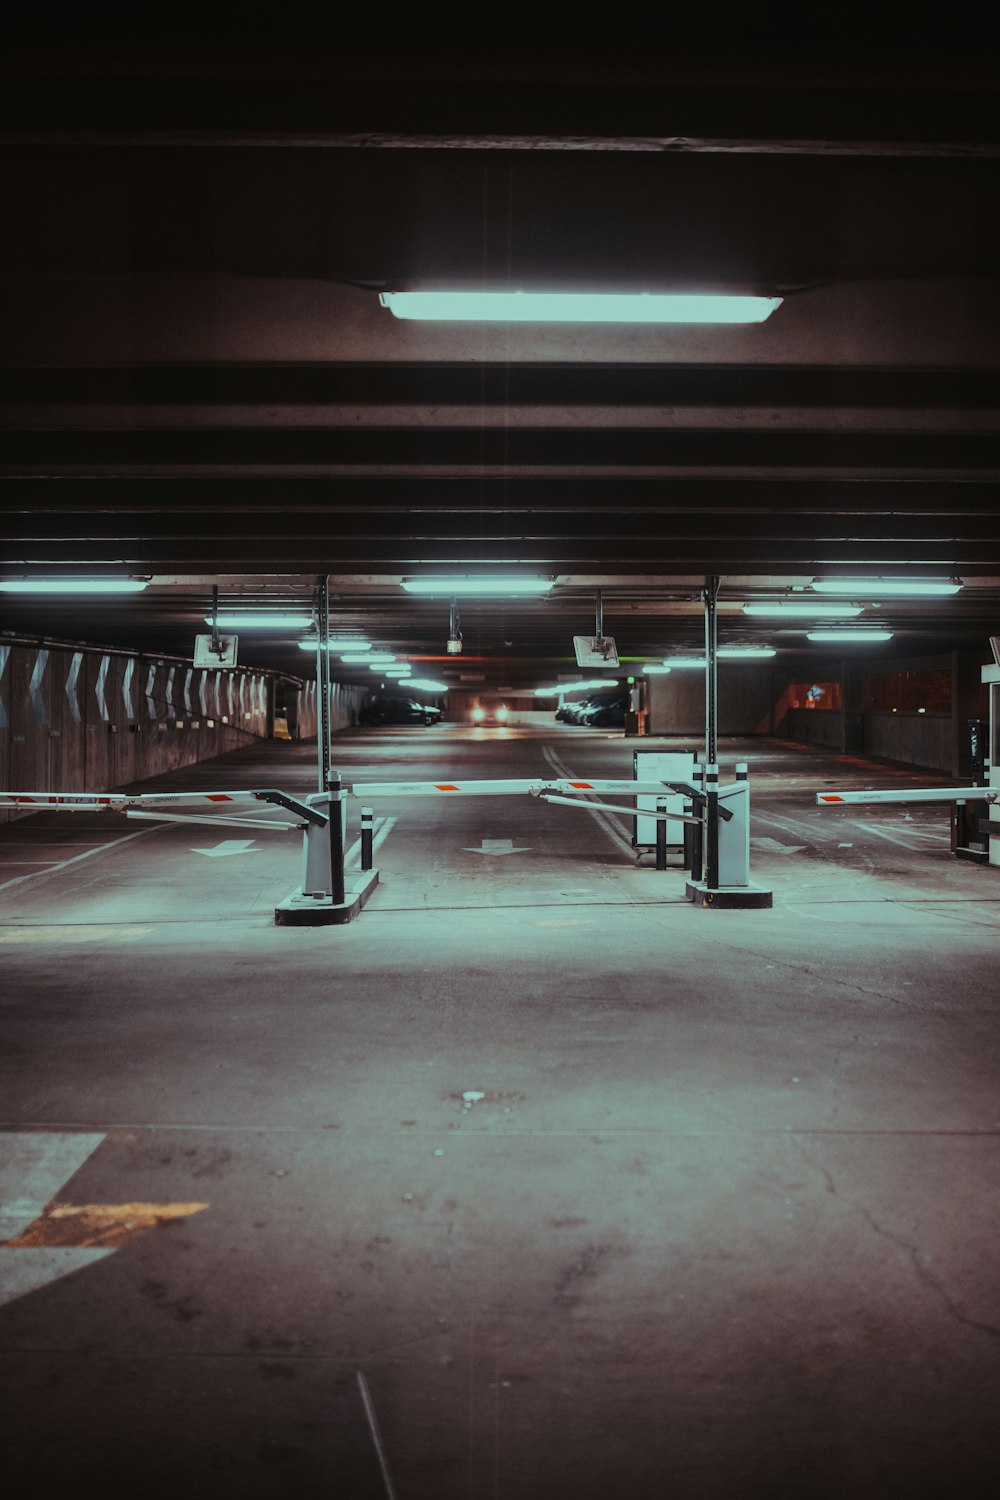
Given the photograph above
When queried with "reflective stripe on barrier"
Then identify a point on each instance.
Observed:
(913, 794)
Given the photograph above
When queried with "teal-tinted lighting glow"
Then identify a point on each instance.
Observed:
(491, 583)
(73, 585)
(427, 685)
(887, 588)
(745, 653)
(376, 666)
(357, 646)
(849, 635)
(815, 611)
(655, 670)
(371, 659)
(578, 307)
(263, 622)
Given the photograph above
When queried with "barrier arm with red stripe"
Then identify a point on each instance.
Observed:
(513, 787)
(911, 794)
(145, 804)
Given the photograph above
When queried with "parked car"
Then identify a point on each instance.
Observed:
(570, 713)
(399, 711)
(609, 714)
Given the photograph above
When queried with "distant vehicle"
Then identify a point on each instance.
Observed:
(573, 713)
(399, 711)
(490, 713)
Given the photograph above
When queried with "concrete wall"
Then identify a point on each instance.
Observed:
(79, 719)
(937, 741)
(345, 701)
(914, 739)
(815, 727)
(746, 695)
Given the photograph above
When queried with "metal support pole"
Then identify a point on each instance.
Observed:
(367, 834)
(599, 617)
(698, 833)
(712, 826)
(661, 835)
(336, 828)
(323, 680)
(711, 597)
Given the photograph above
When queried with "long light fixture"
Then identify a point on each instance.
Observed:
(657, 669)
(381, 664)
(398, 671)
(745, 653)
(685, 661)
(816, 611)
(371, 659)
(263, 622)
(487, 583)
(578, 307)
(74, 585)
(888, 588)
(857, 634)
(357, 646)
(427, 685)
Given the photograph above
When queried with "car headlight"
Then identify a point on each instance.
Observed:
(478, 714)
(501, 713)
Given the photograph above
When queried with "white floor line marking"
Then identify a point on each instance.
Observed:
(65, 863)
(33, 1167)
(609, 828)
(880, 833)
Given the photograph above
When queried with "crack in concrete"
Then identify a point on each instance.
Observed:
(847, 984)
(923, 1275)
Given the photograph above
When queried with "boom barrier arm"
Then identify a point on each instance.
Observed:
(912, 794)
(147, 802)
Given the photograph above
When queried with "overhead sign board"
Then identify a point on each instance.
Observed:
(225, 656)
(595, 651)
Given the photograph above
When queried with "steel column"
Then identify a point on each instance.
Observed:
(323, 680)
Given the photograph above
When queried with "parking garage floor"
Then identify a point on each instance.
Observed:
(589, 1192)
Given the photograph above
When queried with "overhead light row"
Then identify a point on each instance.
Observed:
(578, 307)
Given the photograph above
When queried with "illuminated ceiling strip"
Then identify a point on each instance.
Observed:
(578, 307)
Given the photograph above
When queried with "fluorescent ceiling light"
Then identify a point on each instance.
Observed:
(73, 585)
(685, 661)
(744, 653)
(488, 583)
(887, 588)
(373, 659)
(357, 646)
(263, 621)
(403, 670)
(857, 634)
(654, 670)
(815, 611)
(380, 664)
(578, 307)
(552, 692)
(427, 685)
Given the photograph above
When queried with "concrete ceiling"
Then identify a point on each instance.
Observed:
(200, 386)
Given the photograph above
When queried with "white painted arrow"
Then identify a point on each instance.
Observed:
(229, 846)
(498, 846)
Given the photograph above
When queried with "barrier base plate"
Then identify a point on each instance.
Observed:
(728, 897)
(298, 910)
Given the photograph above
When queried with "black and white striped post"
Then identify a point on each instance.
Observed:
(661, 833)
(336, 830)
(367, 835)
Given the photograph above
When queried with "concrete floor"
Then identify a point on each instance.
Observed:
(723, 1222)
